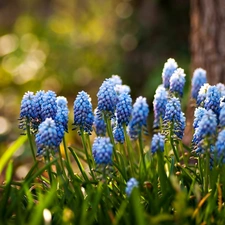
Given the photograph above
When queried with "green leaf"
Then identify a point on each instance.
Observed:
(10, 151)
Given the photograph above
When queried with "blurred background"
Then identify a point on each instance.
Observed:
(69, 46)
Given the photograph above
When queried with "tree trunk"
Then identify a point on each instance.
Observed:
(207, 46)
(208, 38)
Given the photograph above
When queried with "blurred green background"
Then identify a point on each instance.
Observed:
(69, 46)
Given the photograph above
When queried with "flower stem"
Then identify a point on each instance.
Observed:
(142, 151)
(30, 139)
(86, 152)
(66, 151)
(162, 173)
(110, 133)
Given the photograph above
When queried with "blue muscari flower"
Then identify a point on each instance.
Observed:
(177, 81)
(130, 186)
(38, 103)
(159, 104)
(198, 114)
(27, 108)
(198, 79)
(179, 126)
(173, 109)
(99, 123)
(158, 141)
(169, 67)
(208, 125)
(222, 117)
(107, 98)
(46, 138)
(102, 150)
(202, 95)
(118, 134)
(221, 88)
(212, 100)
(83, 115)
(122, 89)
(123, 109)
(220, 146)
(139, 117)
(116, 80)
(62, 116)
(49, 105)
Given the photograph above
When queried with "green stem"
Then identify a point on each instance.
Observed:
(110, 133)
(30, 139)
(172, 143)
(61, 162)
(162, 173)
(129, 150)
(49, 169)
(86, 153)
(90, 147)
(206, 180)
(142, 151)
(66, 151)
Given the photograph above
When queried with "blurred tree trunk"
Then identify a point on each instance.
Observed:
(207, 45)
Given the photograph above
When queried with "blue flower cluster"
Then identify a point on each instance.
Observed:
(198, 80)
(46, 138)
(220, 146)
(177, 81)
(44, 110)
(123, 109)
(158, 141)
(83, 115)
(131, 184)
(118, 134)
(207, 127)
(49, 105)
(173, 110)
(139, 117)
(169, 67)
(159, 105)
(107, 97)
(102, 150)
(27, 109)
(99, 123)
(202, 95)
(212, 100)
